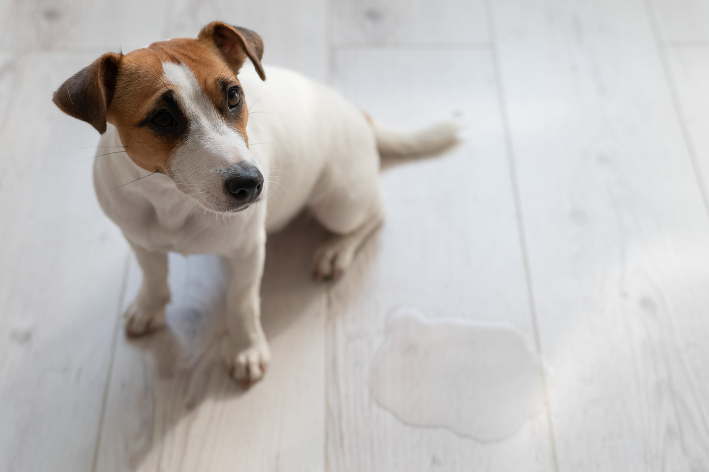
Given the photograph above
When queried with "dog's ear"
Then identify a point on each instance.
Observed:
(235, 44)
(88, 93)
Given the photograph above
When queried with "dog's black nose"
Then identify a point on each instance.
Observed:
(244, 183)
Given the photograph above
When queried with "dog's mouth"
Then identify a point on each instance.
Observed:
(223, 191)
(243, 206)
(222, 205)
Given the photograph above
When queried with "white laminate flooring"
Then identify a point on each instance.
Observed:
(574, 210)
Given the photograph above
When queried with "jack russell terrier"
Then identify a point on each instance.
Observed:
(179, 136)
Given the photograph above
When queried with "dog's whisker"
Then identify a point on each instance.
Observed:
(270, 191)
(255, 102)
(187, 214)
(139, 178)
(179, 197)
(205, 217)
(184, 219)
(263, 142)
(101, 155)
(278, 184)
(165, 199)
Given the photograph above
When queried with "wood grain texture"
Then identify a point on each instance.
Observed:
(614, 225)
(408, 22)
(10, 77)
(5, 8)
(689, 70)
(294, 32)
(616, 230)
(172, 405)
(95, 26)
(61, 275)
(449, 246)
(35, 24)
(682, 21)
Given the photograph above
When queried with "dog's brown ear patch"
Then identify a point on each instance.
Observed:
(88, 93)
(236, 44)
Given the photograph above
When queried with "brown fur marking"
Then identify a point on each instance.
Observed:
(125, 89)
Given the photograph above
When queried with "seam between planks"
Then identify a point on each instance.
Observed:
(330, 56)
(326, 359)
(518, 213)
(679, 44)
(677, 105)
(329, 73)
(109, 374)
(4, 22)
(412, 46)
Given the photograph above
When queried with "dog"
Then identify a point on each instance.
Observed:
(176, 137)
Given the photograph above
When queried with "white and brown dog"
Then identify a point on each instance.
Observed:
(177, 110)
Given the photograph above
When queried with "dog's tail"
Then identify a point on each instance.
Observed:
(393, 142)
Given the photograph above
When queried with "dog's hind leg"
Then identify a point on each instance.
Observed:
(347, 199)
(337, 253)
(147, 312)
(352, 221)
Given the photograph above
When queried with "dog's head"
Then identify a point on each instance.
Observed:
(179, 110)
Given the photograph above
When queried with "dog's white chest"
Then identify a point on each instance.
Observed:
(188, 229)
(154, 214)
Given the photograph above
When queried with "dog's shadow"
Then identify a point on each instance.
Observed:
(174, 381)
(165, 379)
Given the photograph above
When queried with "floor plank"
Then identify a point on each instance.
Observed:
(614, 225)
(61, 275)
(85, 25)
(10, 73)
(450, 247)
(616, 230)
(5, 9)
(294, 32)
(689, 70)
(171, 403)
(408, 22)
(682, 21)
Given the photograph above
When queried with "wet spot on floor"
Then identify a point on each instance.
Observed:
(479, 379)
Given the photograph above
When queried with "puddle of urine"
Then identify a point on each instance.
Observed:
(480, 379)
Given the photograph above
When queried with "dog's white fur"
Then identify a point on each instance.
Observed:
(314, 148)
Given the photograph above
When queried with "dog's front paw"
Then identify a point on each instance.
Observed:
(142, 320)
(249, 365)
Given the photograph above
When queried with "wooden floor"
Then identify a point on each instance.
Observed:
(576, 207)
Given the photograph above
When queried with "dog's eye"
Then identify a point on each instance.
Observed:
(233, 97)
(164, 119)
